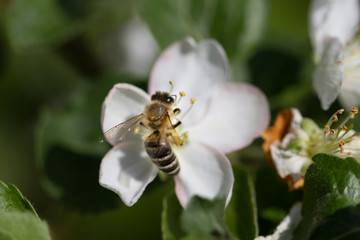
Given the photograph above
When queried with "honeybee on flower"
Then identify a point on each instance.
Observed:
(226, 117)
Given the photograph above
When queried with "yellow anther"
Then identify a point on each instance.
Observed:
(182, 94)
(332, 131)
(171, 83)
(338, 62)
(345, 128)
(336, 119)
(340, 111)
(354, 110)
(192, 101)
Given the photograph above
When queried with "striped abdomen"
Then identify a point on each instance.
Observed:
(162, 156)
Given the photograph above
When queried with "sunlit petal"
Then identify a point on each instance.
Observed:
(328, 75)
(196, 69)
(204, 172)
(127, 170)
(237, 114)
(123, 102)
(336, 18)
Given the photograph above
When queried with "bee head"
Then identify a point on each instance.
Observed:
(163, 97)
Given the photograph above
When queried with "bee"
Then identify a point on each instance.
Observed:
(156, 117)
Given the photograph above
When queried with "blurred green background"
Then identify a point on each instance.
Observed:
(58, 60)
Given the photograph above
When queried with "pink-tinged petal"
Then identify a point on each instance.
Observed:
(328, 75)
(238, 114)
(204, 172)
(196, 69)
(126, 169)
(336, 18)
(123, 102)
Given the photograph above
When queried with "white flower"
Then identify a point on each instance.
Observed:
(226, 117)
(293, 140)
(333, 32)
(288, 225)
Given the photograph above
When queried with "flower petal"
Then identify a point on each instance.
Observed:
(126, 169)
(328, 75)
(196, 69)
(335, 18)
(287, 162)
(349, 97)
(204, 172)
(285, 230)
(123, 102)
(237, 114)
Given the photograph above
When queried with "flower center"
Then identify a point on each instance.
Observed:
(334, 140)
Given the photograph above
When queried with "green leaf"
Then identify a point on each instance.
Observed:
(69, 151)
(204, 219)
(170, 221)
(241, 214)
(35, 24)
(343, 224)
(331, 183)
(164, 20)
(237, 25)
(12, 199)
(16, 225)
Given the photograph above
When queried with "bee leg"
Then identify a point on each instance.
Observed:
(177, 124)
(176, 111)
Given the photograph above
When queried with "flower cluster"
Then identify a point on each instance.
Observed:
(226, 117)
(293, 140)
(335, 38)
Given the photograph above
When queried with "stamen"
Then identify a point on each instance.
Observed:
(192, 101)
(327, 129)
(332, 131)
(182, 94)
(171, 86)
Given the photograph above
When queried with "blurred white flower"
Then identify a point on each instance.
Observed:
(226, 117)
(293, 140)
(130, 49)
(288, 225)
(334, 36)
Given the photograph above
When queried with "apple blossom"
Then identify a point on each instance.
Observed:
(293, 140)
(226, 117)
(334, 36)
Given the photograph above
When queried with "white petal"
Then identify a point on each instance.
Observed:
(350, 97)
(123, 102)
(237, 114)
(126, 169)
(328, 75)
(196, 69)
(287, 226)
(287, 162)
(335, 18)
(203, 172)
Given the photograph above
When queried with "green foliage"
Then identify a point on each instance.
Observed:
(15, 225)
(241, 214)
(331, 184)
(18, 219)
(12, 199)
(202, 219)
(35, 24)
(343, 224)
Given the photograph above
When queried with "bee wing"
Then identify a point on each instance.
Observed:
(123, 131)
